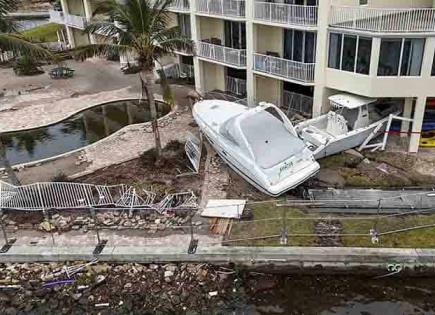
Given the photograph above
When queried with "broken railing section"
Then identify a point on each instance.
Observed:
(193, 148)
(44, 196)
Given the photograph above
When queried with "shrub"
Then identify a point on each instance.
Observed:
(149, 157)
(26, 65)
(61, 177)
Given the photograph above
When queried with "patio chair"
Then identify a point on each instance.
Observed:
(61, 73)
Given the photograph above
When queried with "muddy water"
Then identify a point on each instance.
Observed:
(345, 295)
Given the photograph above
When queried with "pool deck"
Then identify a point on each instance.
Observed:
(31, 102)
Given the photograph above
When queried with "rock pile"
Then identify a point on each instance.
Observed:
(109, 288)
(115, 220)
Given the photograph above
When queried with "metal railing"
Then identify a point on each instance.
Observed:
(76, 21)
(56, 16)
(284, 68)
(286, 13)
(186, 71)
(178, 71)
(297, 103)
(227, 55)
(383, 19)
(221, 7)
(180, 6)
(235, 86)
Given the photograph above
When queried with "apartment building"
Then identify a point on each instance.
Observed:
(296, 53)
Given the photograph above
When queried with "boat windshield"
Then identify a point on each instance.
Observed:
(271, 142)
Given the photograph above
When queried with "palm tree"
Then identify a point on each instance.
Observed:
(10, 40)
(140, 29)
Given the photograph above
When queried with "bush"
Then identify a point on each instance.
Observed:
(61, 177)
(149, 157)
(26, 65)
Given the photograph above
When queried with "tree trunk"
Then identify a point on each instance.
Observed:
(9, 171)
(147, 79)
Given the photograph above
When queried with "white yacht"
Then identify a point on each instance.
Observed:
(349, 123)
(260, 144)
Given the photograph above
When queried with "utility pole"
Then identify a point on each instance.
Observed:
(100, 243)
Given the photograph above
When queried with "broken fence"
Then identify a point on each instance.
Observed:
(58, 195)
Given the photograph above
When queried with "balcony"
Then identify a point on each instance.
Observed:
(295, 103)
(287, 14)
(221, 54)
(383, 20)
(71, 20)
(182, 6)
(225, 8)
(283, 68)
(235, 86)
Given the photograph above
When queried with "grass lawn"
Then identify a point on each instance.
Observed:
(271, 222)
(43, 33)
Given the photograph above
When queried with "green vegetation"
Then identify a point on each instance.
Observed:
(43, 33)
(246, 229)
(355, 230)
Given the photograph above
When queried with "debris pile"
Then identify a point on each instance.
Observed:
(94, 287)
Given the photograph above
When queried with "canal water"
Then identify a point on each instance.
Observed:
(80, 130)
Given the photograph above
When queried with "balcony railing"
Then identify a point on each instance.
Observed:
(235, 86)
(295, 103)
(76, 21)
(226, 55)
(235, 8)
(284, 68)
(180, 6)
(56, 17)
(186, 71)
(283, 13)
(383, 20)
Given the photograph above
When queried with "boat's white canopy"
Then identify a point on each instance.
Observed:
(266, 133)
(350, 101)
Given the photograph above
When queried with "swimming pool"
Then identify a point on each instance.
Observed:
(77, 131)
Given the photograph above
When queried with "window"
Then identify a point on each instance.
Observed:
(184, 25)
(363, 2)
(412, 58)
(299, 46)
(235, 35)
(401, 56)
(350, 53)
(335, 41)
(364, 55)
(433, 66)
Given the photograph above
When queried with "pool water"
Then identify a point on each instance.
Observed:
(77, 131)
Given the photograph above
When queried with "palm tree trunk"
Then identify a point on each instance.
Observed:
(5, 162)
(147, 79)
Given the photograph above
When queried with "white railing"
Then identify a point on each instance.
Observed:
(76, 21)
(186, 71)
(227, 55)
(235, 85)
(221, 7)
(383, 20)
(284, 68)
(56, 17)
(297, 103)
(286, 13)
(180, 6)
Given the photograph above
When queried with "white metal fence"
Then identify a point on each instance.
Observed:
(288, 69)
(180, 5)
(221, 7)
(297, 103)
(286, 13)
(186, 71)
(383, 19)
(56, 16)
(76, 21)
(178, 71)
(227, 55)
(235, 85)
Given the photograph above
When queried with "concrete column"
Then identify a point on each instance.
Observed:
(88, 14)
(195, 30)
(376, 49)
(420, 107)
(407, 113)
(320, 91)
(69, 32)
(251, 44)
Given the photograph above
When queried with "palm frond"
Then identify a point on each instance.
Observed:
(99, 50)
(18, 44)
(6, 24)
(168, 96)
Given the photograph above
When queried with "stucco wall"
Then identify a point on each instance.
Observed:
(388, 3)
(76, 7)
(269, 39)
(209, 27)
(214, 76)
(267, 89)
(80, 38)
